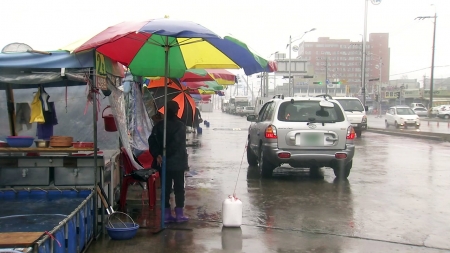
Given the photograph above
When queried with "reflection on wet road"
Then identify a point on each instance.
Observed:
(395, 193)
(395, 199)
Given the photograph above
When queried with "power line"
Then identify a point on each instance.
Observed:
(419, 70)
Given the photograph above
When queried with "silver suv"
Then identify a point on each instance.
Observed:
(307, 132)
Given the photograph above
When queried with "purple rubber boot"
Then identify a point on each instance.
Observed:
(180, 216)
(168, 218)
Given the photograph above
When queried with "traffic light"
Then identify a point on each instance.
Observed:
(376, 97)
(397, 94)
(319, 83)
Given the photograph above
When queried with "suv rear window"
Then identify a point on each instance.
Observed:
(309, 111)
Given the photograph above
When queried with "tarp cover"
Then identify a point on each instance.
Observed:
(57, 59)
(60, 68)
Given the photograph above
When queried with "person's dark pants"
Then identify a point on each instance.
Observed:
(177, 177)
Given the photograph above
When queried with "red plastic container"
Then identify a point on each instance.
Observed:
(80, 144)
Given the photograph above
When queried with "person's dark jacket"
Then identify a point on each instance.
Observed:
(176, 155)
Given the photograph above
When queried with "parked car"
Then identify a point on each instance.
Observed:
(356, 113)
(414, 105)
(435, 110)
(443, 112)
(420, 111)
(307, 132)
(248, 110)
(401, 116)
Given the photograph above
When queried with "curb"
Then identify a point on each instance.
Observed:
(422, 135)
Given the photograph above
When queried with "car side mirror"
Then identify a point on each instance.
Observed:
(251, 118)
(366, 108)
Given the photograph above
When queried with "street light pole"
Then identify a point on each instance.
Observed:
(289, 86)
(290, 45)
(363, 74)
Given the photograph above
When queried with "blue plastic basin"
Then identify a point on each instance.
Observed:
(123, 233)
(19, 141)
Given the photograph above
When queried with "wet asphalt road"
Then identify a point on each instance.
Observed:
(395, 200)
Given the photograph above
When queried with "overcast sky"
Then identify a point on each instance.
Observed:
(264, 25)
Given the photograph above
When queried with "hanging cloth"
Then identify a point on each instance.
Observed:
(44, 99)
(37, 114)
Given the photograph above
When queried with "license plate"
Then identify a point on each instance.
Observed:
(311, 139)
(355, 125)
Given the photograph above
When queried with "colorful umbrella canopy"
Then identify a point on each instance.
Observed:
(175, 92)
(222, 76)
(202, 91)
(196, 75)
(213, 85)
(194, 85)
(198, 97)
(142, 47)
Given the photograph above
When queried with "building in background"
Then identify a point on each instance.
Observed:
(340, 60)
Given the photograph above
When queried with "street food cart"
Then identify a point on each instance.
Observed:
(47, 197)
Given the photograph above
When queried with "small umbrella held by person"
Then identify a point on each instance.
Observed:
(176, 159)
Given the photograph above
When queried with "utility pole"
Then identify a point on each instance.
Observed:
(363, 74)
(379, 89)
(326, 75)
(432, 61)
(432, 66)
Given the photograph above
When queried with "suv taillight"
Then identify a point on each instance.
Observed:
(271, 132)
(351, 133)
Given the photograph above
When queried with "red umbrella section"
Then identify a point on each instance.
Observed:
(196, 75)
(222, 76)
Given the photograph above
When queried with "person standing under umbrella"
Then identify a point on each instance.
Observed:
(176, 159)
(197, 119)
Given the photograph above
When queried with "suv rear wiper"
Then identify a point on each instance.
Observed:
(313, 120)
(326, 121)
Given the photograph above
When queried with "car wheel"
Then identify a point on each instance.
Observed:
(386, 123)
(343, 173)
(396, 125)
(252, 159)
(265, 168)
(446, 116)
(358, 133)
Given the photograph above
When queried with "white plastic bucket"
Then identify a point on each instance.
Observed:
(232, 212)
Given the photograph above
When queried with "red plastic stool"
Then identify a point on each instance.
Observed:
(151, 182)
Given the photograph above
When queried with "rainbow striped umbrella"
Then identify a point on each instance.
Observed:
(147, 47)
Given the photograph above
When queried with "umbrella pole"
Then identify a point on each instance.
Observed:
(163, 168)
